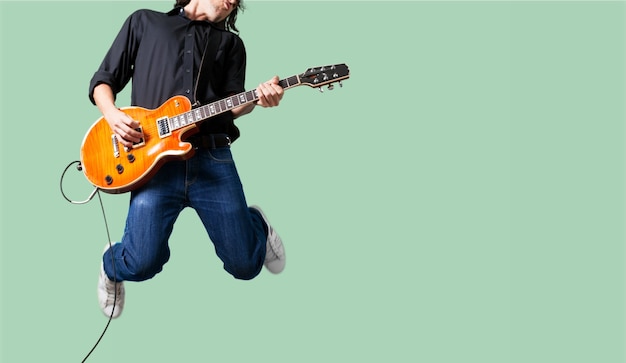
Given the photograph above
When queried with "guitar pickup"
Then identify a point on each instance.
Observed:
(163, 127)
(141, 141)
(137, 144)
(116, 146)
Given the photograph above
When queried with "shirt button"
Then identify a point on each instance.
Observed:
(188, 91)
(188, 52)
(187, 70)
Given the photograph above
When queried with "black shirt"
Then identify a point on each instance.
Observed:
(166, 54)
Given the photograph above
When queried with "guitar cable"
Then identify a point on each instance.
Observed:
(106, 225)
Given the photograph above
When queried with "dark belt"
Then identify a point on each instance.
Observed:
(212, 141)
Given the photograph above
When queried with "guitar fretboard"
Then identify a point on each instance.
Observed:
(212, 109)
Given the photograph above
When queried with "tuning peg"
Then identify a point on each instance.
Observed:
(340, 84)
(331, 87)
(321, 90)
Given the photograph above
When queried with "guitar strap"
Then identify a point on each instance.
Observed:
(212, 42)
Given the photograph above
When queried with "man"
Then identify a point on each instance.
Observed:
(191, 51)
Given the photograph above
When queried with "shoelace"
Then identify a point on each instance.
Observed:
(276, 251)
(111, 291)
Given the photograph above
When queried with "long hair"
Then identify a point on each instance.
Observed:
(229, 22)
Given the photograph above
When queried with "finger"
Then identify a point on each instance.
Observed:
(133, 123)
(264, 95)
(273, 93)
(132, 128)
(276, 86)
(124, 138)
(121, 138)
(127, 134)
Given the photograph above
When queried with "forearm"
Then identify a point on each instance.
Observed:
(104, 98)
(243, 110)
(270, 94)
(121, 124)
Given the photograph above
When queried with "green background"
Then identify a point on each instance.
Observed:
(460, 199)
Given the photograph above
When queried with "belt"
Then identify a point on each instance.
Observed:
(211, 141)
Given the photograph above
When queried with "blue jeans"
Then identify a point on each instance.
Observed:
(209, 183)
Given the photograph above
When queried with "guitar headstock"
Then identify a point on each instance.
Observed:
(327, 75)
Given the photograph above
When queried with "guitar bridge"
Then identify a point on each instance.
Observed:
(116, 146)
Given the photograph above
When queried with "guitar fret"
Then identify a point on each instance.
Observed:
(175, 122)
(251, 95)
(291, 81)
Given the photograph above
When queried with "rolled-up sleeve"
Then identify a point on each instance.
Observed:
(117, 67)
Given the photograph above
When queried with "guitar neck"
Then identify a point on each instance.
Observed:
(215, 108)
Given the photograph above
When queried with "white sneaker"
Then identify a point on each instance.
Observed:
(275, 252)
(110, 294)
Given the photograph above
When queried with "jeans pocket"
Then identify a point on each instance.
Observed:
(220, 154)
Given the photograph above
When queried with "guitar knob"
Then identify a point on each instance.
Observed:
(131, 158)
(108, 179)
(120, 168)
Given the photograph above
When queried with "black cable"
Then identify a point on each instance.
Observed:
(79, 167)
(106, 226)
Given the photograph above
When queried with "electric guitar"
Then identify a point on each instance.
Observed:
(112, 168)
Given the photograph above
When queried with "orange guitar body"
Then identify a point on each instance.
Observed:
(108, 166)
